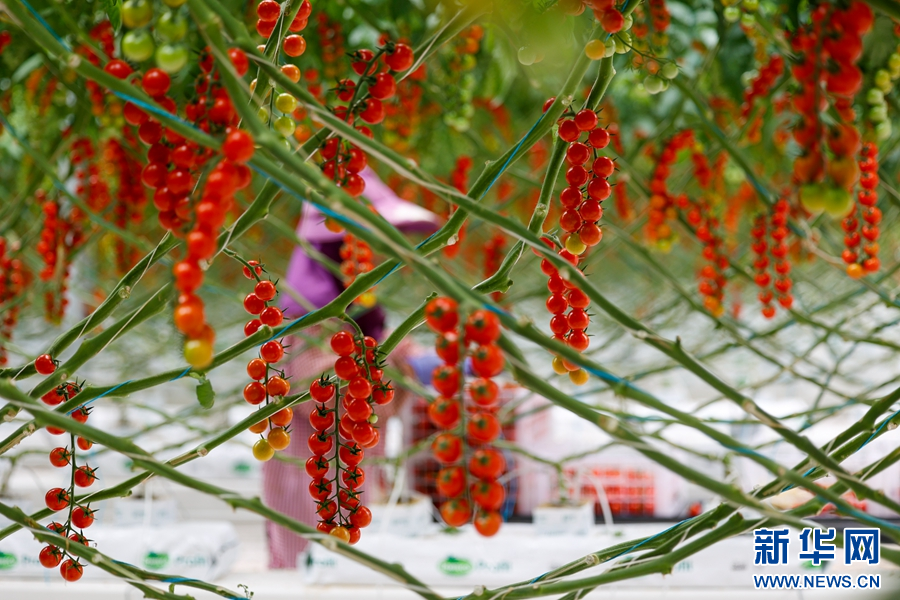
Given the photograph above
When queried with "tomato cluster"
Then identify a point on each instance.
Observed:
(356, 258)
(268, 12)
(760, 88)
(80, 516)
(662, 207)
(130, 197)
(706, 227)
(59, 236)
(359, 387)
(470, 466)
(770, 234)
(828, 49)
(12, 283)
(860, 263)
(268, 382)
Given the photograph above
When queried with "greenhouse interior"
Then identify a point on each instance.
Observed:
(449, 299)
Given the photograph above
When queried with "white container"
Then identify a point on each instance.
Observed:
(564, 520)
(410, 518)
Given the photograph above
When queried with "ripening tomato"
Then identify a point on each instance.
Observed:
(444, 413)
(446, 380)
(488, 523)
(456, 512)
(451, 481)
(486, 463)
(262, 451)
(488, 495)
(283, 417)
(487, 360)
(278, 438)
(441, 314)
(447, 448)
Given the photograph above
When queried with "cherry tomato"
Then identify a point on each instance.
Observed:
(278, 386)
(483, 427)
(254, 392)
(84, 476)
(71, 570)
(447, 347)
(82, 517)
(482, 327)
(50, 556)
(59, 457)
(320, 489)
(444, 413)
(486, 463)
(321, 418)
(447, 448)
(57, 499)
(262, 451)
(456, 512)
(488, 523)
(272, 351)
(321, 390)
(359, 387)
(488, 495)
(257, 369)
(361, 517)
(359, 410)
(363, 433)
(441, 314)
(383, 394)
(451, 481)
(345, 368)
(44, 364)
(484, 391)
(317, 466)
(487, 360)
(278, 438)
(351, 455)
(353, 477)
(320, 443)
(342, 343)
(445, 379)
(283, 417)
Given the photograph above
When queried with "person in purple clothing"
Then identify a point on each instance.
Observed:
(285, 484)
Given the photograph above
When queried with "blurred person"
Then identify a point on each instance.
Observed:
(286, 484)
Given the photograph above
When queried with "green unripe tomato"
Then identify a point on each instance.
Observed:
(284, 125)
(813, 197)
(172, 58)
(137, 46)
(875, 96)
(263, 114)
(629, 22)
(838, 202)
(610, 47)
(527, 56)
(750, 5)
(173, 3)
(623, 43)
(669, 71)
(883, 131)
(732, 14)
(285, 103)
(883, 80)
(894, 62)
(136, 13)
(878, 113)
(748, 19)
(171, 27)
(653, 84)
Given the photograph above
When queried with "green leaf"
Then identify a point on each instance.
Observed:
(205, 393)
(113, 9)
